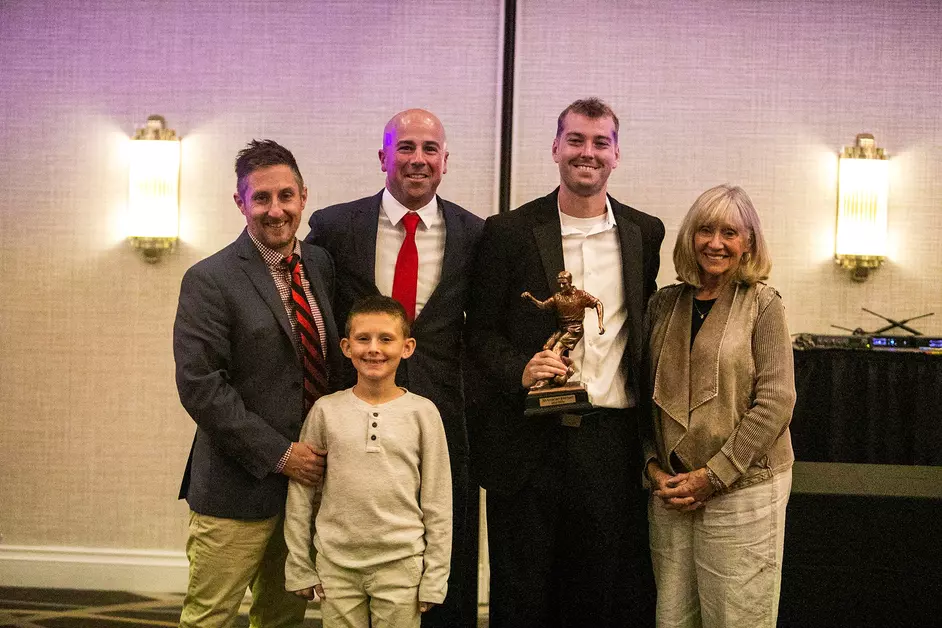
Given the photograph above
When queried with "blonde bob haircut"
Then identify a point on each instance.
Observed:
(723, 205)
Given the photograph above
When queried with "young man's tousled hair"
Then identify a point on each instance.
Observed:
(592, 108)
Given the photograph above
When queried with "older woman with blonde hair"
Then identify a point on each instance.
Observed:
(719, 451)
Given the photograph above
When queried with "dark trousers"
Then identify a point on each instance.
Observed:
(571, 547)
(460, 609)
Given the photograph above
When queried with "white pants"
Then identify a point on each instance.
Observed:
(385, 596)
(721, 566)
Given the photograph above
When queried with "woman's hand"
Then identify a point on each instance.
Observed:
(657, 476)
(684, 491)
(662, 485)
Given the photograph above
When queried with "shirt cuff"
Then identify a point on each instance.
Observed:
(284, 459)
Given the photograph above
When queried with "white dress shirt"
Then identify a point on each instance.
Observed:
(592, 253)
(429, 240)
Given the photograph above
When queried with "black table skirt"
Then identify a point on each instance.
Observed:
(862, 547)
(876, 407)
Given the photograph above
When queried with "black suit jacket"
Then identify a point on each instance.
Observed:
(348, 232)
(239, 377)
(522, 251)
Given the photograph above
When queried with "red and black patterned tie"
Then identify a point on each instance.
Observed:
(312, 354)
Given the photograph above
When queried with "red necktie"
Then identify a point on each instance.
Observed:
(407, 267)
(312, 355)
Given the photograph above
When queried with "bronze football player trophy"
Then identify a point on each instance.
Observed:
(558, 394)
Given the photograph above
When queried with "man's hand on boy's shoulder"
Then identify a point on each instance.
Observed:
(306, 464)
(425, 606)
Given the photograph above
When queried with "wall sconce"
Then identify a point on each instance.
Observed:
(862, 191)
(154, 189)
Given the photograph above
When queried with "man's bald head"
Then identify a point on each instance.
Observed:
(414, 156)
(408, 117)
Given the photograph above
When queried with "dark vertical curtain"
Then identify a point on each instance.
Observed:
(877, 407)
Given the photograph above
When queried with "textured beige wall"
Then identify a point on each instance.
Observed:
(764, 95)
(92, 436)
(93, 440)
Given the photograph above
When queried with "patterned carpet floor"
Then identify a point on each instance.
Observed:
(72, 608)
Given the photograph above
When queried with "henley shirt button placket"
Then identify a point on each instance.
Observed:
(374, 423)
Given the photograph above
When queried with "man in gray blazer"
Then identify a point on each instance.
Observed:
(364, 238)
(237, 343)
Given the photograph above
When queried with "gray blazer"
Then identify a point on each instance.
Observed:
(239, 377)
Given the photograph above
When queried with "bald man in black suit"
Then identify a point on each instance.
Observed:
(364, 238)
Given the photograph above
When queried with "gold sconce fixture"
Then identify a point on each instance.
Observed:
(154, 189)
(862, 192)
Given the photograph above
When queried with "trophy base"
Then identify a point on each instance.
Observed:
(572, 397)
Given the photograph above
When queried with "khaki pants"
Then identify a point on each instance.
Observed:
(721, 566)
(227, 556)
(386, 595)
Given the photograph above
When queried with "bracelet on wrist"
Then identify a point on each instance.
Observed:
(715, 482)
